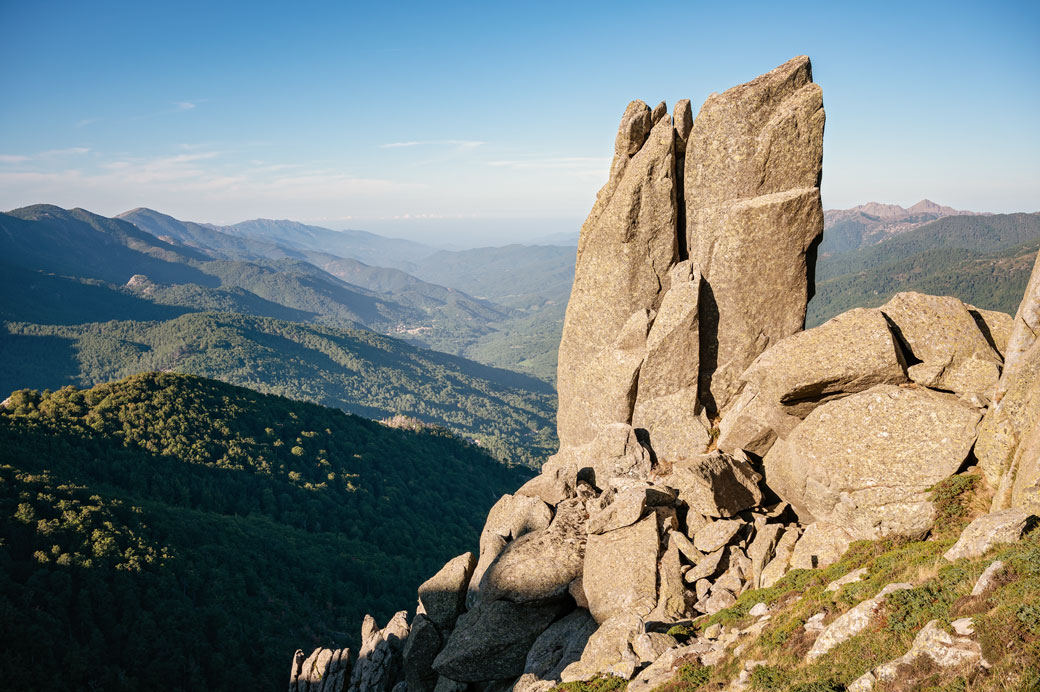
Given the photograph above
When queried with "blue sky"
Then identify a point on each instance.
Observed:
(487, 122)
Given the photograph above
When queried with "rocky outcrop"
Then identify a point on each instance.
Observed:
(510, 518)
(1025, 330)
(423, 644)
(856, 462)
(558, 647)
(491, 640)
(698, 221)
(988, 578)
(753, 218)
(989, 530)
(442, 597)
(821, 544)
(939, 647)
(708, 445)
(667, 402)
(953, 353)
(1008, 449)
(626, 248)
(325, 670)
(540, 565)
(716, 484)
(851, 623)
(609, 650)
(379, 666)
(850, 353)
(620, 573)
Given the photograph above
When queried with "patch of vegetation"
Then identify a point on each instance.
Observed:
(600, 683)
(952, 497)
(1007, 622)
(769, 679)
(682, 632)
(690, 677)
(170, 531)
(1006, 617)
(817, 686)
(909, 610)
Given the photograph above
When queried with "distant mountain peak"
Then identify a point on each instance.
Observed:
(894, 212)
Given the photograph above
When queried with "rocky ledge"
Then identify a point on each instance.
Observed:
(709, 445)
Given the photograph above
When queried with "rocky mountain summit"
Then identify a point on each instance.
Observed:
(708, 445)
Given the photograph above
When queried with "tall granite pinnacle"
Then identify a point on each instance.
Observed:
(690, 399)
(697, 255)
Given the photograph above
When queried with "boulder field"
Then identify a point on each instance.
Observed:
(709, 444)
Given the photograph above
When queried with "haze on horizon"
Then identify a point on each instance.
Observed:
(470, 124)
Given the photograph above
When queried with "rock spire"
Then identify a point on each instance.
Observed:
(696, 257)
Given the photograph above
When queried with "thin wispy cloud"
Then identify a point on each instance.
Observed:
(64, 152)
(553, 162)
(176, 107)
(50, 153)
(202, 174)
(579, 166)
(87, 121)
(460, 143)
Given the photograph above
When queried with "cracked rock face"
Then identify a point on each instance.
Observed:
(941, 333)
(627, 246)
(1008, 449)
(705, 236)
(325, 670)
(753, 218)
(856, 461)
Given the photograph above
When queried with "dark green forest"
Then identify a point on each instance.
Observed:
(168, 531)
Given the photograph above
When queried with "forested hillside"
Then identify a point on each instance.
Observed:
(510, 415)
(983, 260)
(166, 531)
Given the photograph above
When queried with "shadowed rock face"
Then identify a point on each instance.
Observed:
(942, 333)
(491, 641)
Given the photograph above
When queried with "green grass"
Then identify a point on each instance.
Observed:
(600, 683)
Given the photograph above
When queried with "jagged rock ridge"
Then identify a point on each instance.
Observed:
(689, 394)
